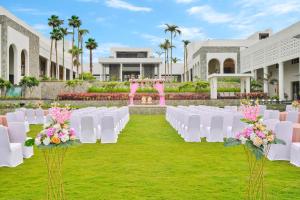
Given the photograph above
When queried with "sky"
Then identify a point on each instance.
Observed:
(140, 23)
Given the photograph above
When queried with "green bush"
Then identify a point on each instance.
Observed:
(229, 89)
(201, 85)
(87, 76)
(29, 82)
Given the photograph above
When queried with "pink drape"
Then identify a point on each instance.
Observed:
(133, 89)
(160, 88)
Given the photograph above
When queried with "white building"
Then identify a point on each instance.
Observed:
(25, 52)
(126, 63)
(271, 58)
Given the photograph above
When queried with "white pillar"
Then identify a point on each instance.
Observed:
(158, 71)
(222, 67)
(141, 71)
(121, 72)
(48, 65)
(281, 80)
(248, 86)
(214, 88)
(266, 73)
(65, 73)
(242, 85)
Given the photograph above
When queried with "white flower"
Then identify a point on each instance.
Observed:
(265, 141)
(65, 138)
(46, 141)
(243, 140)
(252, 136)
(37, 141)
(57, 126)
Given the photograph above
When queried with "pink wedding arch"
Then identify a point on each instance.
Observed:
(157, 84)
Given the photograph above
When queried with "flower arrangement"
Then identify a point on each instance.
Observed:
(256, 137)
(295, 104)
(57, 131)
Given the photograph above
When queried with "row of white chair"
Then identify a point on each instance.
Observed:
(196, 122)
(32, 116)
(12, 144)
(103, 123)
(284, 131)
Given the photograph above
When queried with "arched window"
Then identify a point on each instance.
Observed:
(213, 66)
(229, 66)
(12, 54)
(23, 62)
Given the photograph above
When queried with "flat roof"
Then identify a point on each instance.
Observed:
(229, 76)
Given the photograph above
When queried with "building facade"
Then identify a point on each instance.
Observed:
(272, 59)
(25, 52)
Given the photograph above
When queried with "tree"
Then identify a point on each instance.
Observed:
(165, 47)
(185, 57)
(82, 32)
(174, 30)
(91, 44)
(75, 51)
(29, 82)
(159, 53)
(56, 35)
(53, 22)
(4, 85)
(74, 22)
(73, 84)
(175, 60)
(64, 32)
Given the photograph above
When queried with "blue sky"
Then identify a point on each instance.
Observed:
(138, 23)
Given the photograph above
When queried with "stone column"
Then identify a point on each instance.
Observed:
(266, 87)
(121, 72)
(65, 74)
(214, 88)
(281, 81)
(242, 85)
(222, 67)
(248, 86)
(48, 66)
(141, 71)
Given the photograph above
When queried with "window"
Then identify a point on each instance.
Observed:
(295, 61)
(263, 36)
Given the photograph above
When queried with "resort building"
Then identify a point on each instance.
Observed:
(272, 59)
(25, 52)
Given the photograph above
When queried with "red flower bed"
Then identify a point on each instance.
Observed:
(125, 96)
(155, 96)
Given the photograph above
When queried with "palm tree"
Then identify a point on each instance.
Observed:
(175, 60)
(81, 33)
(159, 53)
(64, 32)
(75, 51)
(174, 30)
(185, 44)
(74, 22)
(53, 22)
(56, 35)
(91, 44)
(165, 47)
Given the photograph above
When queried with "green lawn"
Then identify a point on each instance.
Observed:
(150, 161)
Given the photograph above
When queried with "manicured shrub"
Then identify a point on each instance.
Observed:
(87, 76)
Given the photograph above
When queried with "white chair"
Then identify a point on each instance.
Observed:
(292, 116)
(262, 109)
(290, 108)
(87, 132)
(237, 126)
(283, 131)
(30, 114)
(40, 117)
(193, 129)
(108, 134)
(271, 123)
(231, 108)
(17, 134)
(274, 114)
(20, 116)
(295, 154)
(11, 117)
(10, 153)
(215, 131)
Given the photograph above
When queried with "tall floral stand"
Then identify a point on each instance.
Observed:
(256, 186)
(54, 158)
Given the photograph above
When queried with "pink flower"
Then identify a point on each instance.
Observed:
(72, 132)
(250, 112)
(50, 131)
(61, 115)
(260, 134)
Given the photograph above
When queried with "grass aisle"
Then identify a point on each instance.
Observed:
(150, 161)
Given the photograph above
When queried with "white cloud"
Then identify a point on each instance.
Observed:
(284, 8)
(192, 33)
(33, 11)
(100, 19)
(127, 6)
(210, 15)
(185, 1)
(154, 40)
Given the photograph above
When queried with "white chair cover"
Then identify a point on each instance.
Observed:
(17, 134)
(292, 116)
(10, 153)
(193, 129)
(283, 131)
(271, 123)
(108, 134)
(40, 118)
(237, 126)
(30, 114)
(20, 117)
(295, 154)
(215, 131)
(87, 132)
